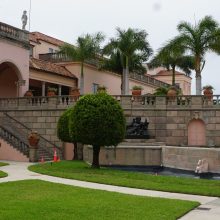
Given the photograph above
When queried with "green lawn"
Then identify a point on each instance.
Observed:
(81, 171)
(36, 199)
(3, 174)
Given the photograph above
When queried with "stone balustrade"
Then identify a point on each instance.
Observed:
(127, 102)
(16, 34)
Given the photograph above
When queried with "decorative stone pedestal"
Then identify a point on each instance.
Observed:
(33, 154)
(33, 139)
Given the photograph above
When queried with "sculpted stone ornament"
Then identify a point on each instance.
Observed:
(24, 19)
(137, 129)
(202, 166)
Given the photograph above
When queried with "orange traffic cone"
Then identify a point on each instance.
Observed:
(55, 156)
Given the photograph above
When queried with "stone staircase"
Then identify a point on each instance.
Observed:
(16, 134)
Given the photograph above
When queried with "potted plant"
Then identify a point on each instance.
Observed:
(172, 92)
(29, 93)
(136, 90)
(101, 89)
(51, 91)
(33, 139)
(208, 91)
(75, 93)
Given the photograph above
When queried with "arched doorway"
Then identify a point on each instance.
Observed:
(9, 80)
(196, 133)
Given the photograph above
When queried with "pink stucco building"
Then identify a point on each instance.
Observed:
(30, 61)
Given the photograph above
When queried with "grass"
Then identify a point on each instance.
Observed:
(36, 199)
(81, 171)
(3, 174)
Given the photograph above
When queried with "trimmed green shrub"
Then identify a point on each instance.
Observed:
(97, 120)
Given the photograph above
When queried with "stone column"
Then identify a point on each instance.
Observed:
(43, 88)
(60, 90)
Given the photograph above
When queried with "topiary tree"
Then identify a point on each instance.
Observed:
(63, 130)
(97, 120)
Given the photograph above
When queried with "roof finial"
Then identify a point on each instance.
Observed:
(24, 19)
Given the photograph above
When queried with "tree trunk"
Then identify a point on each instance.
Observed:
(82, 79)
(198, 84)
(127, 78)
(198, 75)
(173, 76)
(95, 161)
(75, 156)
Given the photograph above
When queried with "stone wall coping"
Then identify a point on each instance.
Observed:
(193, 148)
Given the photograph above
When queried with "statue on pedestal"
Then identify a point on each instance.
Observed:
(24, 19)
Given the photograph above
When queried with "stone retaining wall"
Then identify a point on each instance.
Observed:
(187, 157)
(123, 155)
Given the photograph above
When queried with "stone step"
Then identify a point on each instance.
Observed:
(151, 140)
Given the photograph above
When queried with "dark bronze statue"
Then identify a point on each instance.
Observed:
(137, 129)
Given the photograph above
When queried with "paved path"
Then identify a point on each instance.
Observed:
(209, 209)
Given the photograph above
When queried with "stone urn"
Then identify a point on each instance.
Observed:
(172, 91)
(51, 91)
(33, 139)
(74, 92)
(136, 90)
(28, 93)
(208, 92)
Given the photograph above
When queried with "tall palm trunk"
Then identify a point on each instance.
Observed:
(123, 81)
(82, 79)
(198, 83)
(173, 75)
(198, 75)
(127, 77)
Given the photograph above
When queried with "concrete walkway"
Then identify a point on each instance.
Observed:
(209, 209)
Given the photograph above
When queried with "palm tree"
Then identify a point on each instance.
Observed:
(87, 47)
(129, 44)
(170, 56)
(197, 40)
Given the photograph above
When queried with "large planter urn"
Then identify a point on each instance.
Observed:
(136, 92)
(207, 92)
(172, 92)
(28, 93)
(33, 139)
(74, 92)
(51, 93)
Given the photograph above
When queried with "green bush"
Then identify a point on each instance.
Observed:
(63, 126)
(97, 120)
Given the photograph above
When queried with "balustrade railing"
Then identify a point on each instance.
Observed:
(13, 33)
(63, 102)
(148, 79)
(16, 133)
(14, 140)
(59, 57)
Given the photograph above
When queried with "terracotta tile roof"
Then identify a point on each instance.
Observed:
(50, 67)
(36, 36)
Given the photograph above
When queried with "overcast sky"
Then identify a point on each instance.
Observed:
(68, 19)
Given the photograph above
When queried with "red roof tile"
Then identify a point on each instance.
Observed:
(50, 67)
(36, 36)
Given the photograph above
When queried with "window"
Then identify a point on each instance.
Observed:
(95, 87)
(50, 50)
